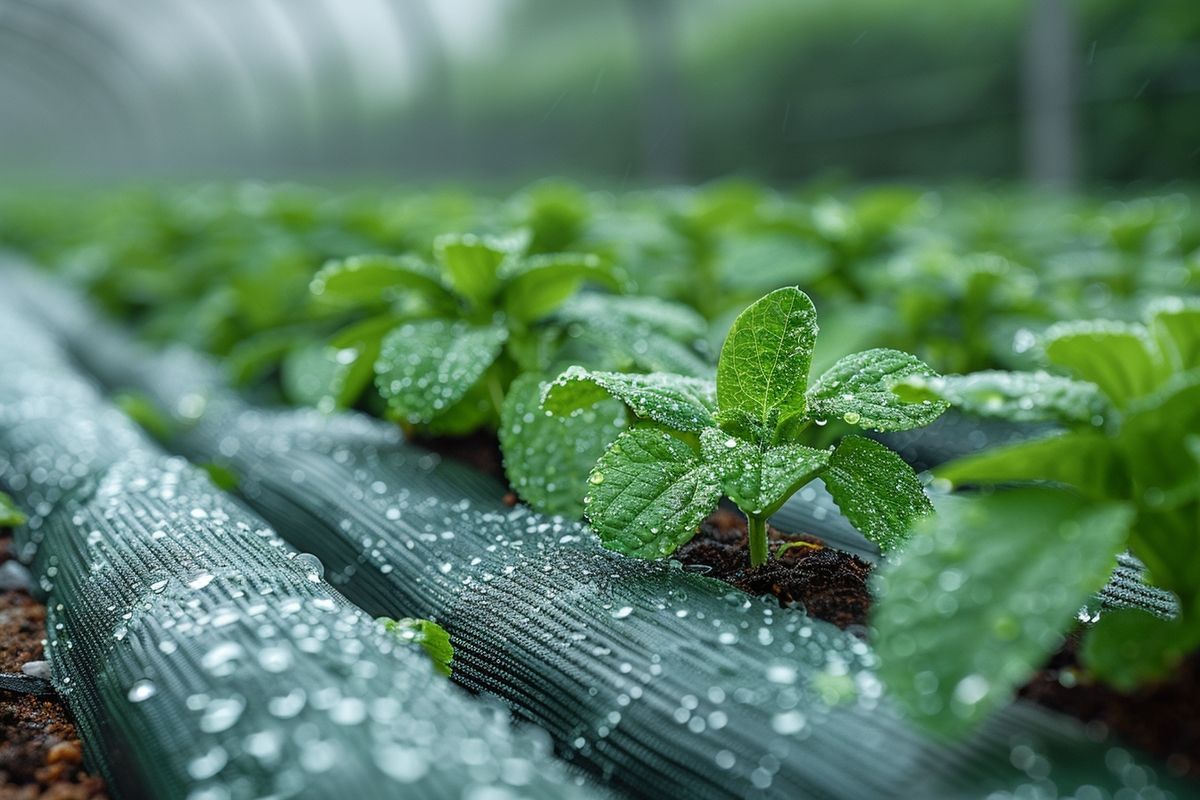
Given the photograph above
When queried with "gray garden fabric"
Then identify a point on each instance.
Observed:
(201, 656)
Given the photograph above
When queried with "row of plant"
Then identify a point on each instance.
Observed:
(581, 329)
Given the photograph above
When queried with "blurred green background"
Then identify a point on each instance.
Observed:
(613, 91)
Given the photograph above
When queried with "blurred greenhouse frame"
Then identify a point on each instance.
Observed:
(623, 92)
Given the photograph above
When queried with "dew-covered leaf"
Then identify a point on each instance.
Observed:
(858, 390)
(685, 404)
(763, 369)
(10, 515)
(983, 593)
(759, 480)
(427, 366)
(1175, 323)
(1014, 396)
(1129, 647)
(535, 286)
(1087, 460)
(649, 493)
(331, 375)
(547, 458)
(432, 638)
(876, 490)
(679, 322)
(472, 265)
(1119, 357)
(371, 280)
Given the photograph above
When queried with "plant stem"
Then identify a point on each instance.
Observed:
(756, 525)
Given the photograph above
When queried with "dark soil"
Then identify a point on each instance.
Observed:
(1163, 719)
(830, 584)
(40, 753)
(480, 450)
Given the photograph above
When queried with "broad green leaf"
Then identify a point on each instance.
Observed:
(876, 490)
(1087, 460)
(1013, 396)
(535, 286)
(858, 390)
(432, 638)
(1130, 647)
(375, 280)
(10, 515)
(983, 593)
(472, 265)
(1118, 357)
(760, 480)
(333, 374)
(254, 357)
(477, 409)
(547, 458)
(426, 367)
(1154, 437)
(1175, 323)
(763, 370)
(762, 261)
(685, 404)
(676, 321)
(649, 493)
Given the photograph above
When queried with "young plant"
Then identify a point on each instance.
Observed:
(442, 342)
(985, 592)
(10, 515)
(431, 637)
(693, 440)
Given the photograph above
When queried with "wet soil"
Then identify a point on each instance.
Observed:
(830, 584)
(480, 450)
(40, 753)
(1163, 719)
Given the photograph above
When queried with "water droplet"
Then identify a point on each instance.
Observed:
(142, 690)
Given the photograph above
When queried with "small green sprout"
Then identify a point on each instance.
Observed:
(10, 515)
(694, 440)
(429, 635)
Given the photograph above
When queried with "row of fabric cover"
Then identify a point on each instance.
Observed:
(654, 680)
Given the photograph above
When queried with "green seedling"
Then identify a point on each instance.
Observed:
(985, 592)
(431, 637)
(693, 440)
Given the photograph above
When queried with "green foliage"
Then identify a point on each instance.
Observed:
(982, 594)
(142, 410)
(10, 515)
(1128, 454)
(693, 441)
(431, 637)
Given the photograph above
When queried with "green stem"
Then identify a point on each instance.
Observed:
(757, 528)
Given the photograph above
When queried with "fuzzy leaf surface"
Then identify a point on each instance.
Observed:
(1014, 396)
(984, 593)
(547, 458)
(649, 493)
(758, 479)
(876, 490)
(426, 367)
(763, 370)
(682, 403)
(858, 390)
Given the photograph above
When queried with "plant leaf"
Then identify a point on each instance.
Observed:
(1130, 647)
(432, 638)
(858, 390)
(1013, 396)
(535, 286)
(10, 515)
(682, 403)
(983, 593)
(1175, 323)
(1087, 460)
(649, 493)
(427, 366)
(763, 370)
(876, 490)
(547, 458)
(1118, 357)
(1154, 437)
(472, 265)
(375, 280)
(760, 480)
(332, 375)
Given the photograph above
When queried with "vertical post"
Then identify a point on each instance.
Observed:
(1048, 94)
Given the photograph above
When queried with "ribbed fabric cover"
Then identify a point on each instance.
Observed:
(203, 658)
(666, 683)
